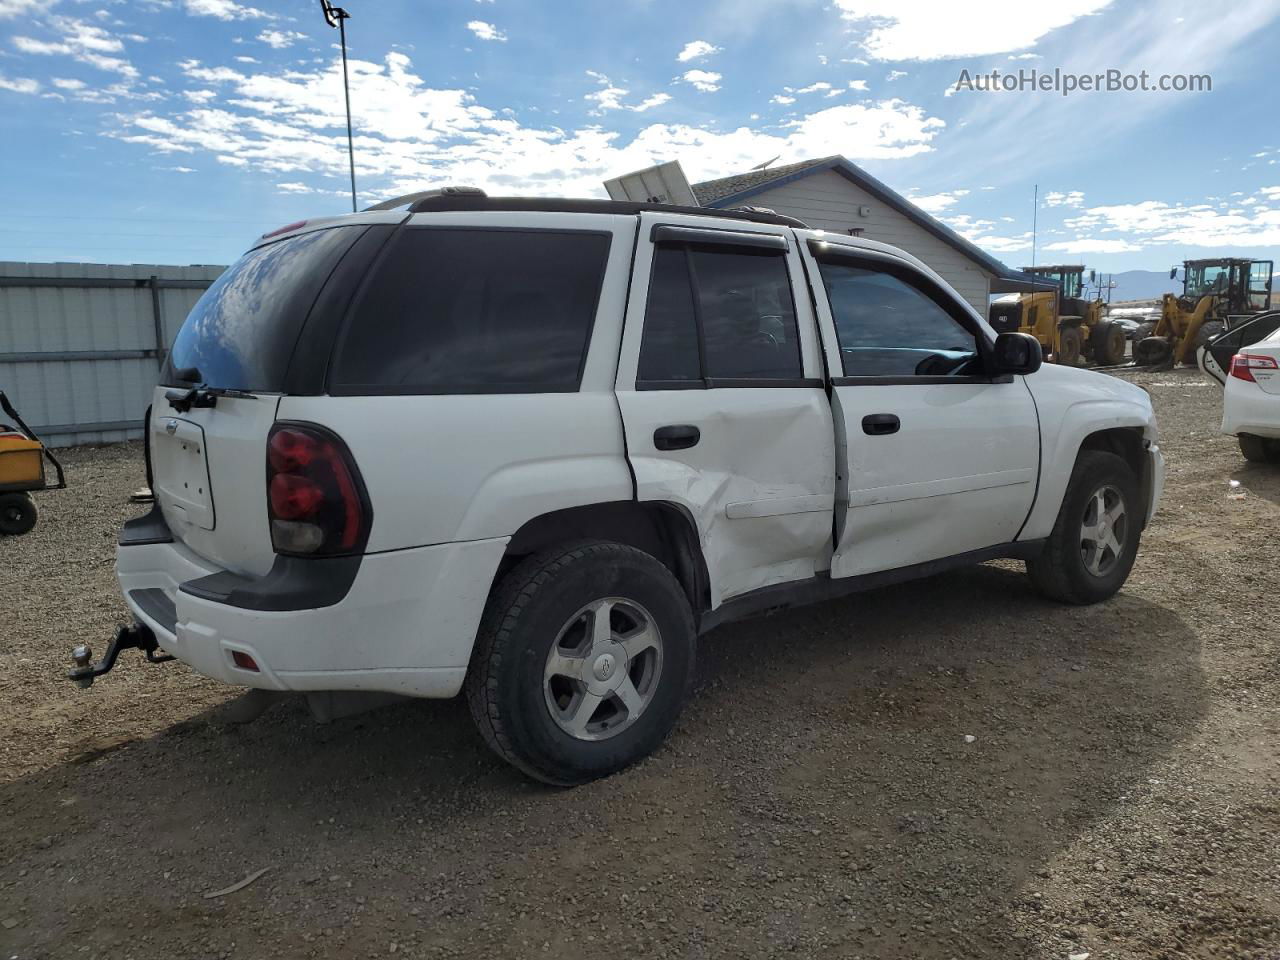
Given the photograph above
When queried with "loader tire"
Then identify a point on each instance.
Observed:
(1075, 566)
(1107, 343)
(1142, 331)
(1070, 343)
(1152, 351)
(17, 514)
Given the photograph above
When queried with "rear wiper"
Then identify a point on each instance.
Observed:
(202, 396)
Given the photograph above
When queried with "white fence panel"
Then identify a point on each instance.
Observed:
(81, 343)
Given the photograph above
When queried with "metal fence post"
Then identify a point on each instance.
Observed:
(157, 318)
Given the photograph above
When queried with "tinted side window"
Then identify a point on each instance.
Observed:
(669, 347)
(889, 328)
(739, 300)
(474, 311)
(748, 319)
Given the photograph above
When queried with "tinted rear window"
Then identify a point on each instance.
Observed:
(241, 333)
(459, 310)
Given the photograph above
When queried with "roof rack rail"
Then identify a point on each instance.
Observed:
(440, 202)
(424, 194)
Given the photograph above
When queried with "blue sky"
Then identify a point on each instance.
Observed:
(173, 131)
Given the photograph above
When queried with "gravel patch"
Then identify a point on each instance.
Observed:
(947, 768)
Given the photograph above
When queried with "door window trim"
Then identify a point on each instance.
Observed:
(824, 251)
(684, 238)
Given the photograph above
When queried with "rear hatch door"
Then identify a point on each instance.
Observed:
(232, 358)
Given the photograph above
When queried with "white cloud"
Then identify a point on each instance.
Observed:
(695, 49)
(1055, 199)
(293, 187)
(290, 125)
(68, 83)
(812, 88)
(937, 202)
(1093, 245)
(928, 30)
(246, 60)
(857, 85)
(225, 10)
(18, 8)
(779, 98)
(895, 75)
(1196, 225)
(657, 100)
(200, 96)
(486, 31)
(83, 41)
(703, 80)
(19, 84)
(280, 39)
(609, 97)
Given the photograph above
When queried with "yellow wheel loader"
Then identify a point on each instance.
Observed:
(1217, 295)
(1067, 324)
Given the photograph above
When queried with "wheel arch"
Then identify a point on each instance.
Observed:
(1112, 424)
(664, 530)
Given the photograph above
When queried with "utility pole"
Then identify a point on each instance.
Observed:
(1035, 210)
(337, 17)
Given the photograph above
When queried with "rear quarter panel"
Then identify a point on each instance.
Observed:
(444, 468)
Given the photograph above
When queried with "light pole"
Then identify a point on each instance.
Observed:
(337, 17)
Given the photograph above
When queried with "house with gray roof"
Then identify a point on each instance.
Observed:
(833, 194)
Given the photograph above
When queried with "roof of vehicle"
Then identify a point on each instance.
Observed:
(1212, 261)
(1055, 268)
(470, 202)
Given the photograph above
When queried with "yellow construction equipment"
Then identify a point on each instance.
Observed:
(1068, 324)
(22, 459)
(1216, 295)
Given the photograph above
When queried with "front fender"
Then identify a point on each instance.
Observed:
(1072, 405)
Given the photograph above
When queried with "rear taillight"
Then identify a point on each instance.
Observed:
(315, 498)
(1243, 365)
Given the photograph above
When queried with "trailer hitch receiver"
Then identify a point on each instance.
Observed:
(134, 637)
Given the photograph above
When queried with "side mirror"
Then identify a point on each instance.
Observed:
(1093, 276)
(1173, 273)
(1017, 353)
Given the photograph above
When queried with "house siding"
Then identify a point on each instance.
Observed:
(828, 201)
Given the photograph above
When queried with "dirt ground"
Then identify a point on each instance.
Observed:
(818, 798)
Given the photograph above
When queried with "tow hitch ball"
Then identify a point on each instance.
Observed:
(135, 637)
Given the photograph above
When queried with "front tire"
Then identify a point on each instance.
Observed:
(1257, 449)
(582, 663)
(1108, 343)
(1094, 542)
(18, 514)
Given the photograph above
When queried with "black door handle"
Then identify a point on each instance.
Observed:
(880, 424)
(676, 437)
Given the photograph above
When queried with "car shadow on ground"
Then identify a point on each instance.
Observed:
(821, 792)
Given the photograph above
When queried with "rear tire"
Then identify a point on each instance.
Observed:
(582, 663)
(18, 514)
(1085, 560)
(1107, 342)
(1259, 449)
(1152, 352)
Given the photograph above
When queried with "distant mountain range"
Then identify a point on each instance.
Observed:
(1144, 285)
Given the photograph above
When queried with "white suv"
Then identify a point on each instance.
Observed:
(533, 448)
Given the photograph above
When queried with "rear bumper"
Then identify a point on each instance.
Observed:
(1247, 408)
(406, 624)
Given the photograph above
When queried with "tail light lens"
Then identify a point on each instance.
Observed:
(1243, 365)
(316, 499)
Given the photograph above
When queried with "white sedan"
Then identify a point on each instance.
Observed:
(1251, 405)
